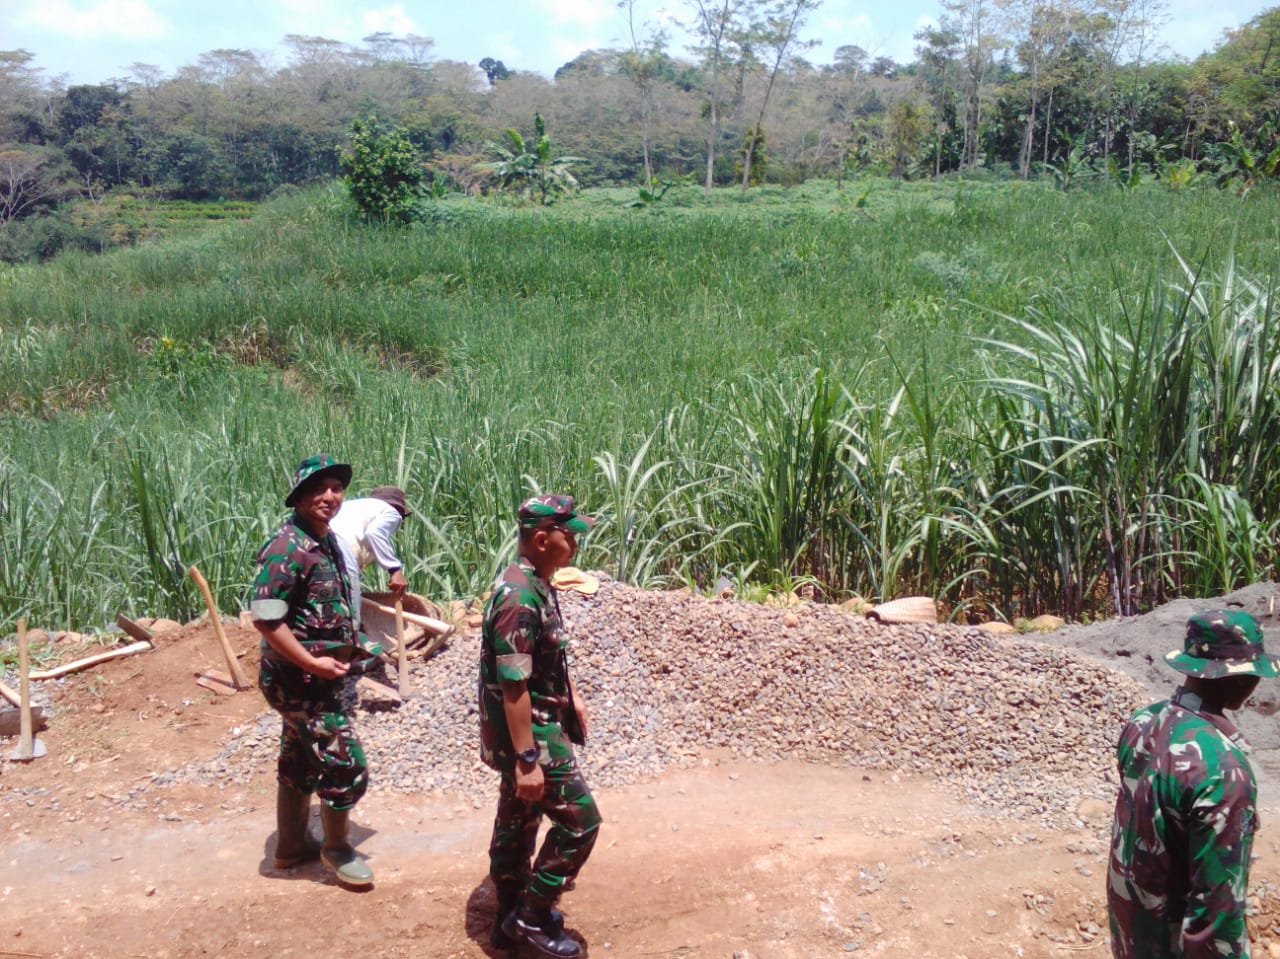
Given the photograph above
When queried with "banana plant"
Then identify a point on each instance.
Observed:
(1238, 161)
(533, 172)
(1073, 165)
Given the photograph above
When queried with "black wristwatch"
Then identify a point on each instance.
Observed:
(529, 756)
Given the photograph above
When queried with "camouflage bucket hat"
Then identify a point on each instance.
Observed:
(1223, 642)
(539, 512)
(313, 467)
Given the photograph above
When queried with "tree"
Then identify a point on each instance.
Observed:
(907, 126)
(642, 64)
(382, 171)
(1043, 28)
(974, 23)
(723, 29)
(939, 67)
(494, 70)
(31, 180)
(781, 24)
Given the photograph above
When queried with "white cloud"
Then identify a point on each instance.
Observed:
(503, 46)
(101, 19)
(579, 13)
(390, 20)
(567, 50)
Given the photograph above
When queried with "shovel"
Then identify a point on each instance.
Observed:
(29, 747)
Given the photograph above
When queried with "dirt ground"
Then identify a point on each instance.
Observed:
(785, 861)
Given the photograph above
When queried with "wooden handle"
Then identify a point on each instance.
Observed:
(25, 744)
(94, 660)
(426, 622)
(233, 666)
(401, 659)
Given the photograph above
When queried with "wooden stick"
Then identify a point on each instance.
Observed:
(93, 660)
(402, 685)
(233, 667)
(9, 694)
(426, 622)
(26, 746)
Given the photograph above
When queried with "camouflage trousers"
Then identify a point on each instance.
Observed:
(575, 823)
(319, 751)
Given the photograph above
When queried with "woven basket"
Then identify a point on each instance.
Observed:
(570, 577)
(380, 626)
(909, 609)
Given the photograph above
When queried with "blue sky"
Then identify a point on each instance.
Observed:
(94, 40)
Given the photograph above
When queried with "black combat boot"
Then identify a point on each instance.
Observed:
(540, 927)
(508, 896)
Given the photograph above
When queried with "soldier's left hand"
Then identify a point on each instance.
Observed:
(584, 720)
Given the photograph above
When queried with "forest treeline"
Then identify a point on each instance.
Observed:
(1003, 88)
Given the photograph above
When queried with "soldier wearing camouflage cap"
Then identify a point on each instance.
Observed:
(530, 716)
(1186, 812)
(302, 607)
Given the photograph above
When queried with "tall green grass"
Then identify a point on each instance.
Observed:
(1010, 399)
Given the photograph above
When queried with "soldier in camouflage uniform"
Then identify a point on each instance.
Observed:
(302, 607)
(529, 718)
(1186, 811)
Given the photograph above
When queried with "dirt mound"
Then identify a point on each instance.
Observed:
(1137, 645)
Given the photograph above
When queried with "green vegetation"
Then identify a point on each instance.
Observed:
(1011, 397)
(382, 172)
(1020, 89)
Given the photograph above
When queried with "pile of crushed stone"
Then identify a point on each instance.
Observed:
(672, 679)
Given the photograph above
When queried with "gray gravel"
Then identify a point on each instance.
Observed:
(672, 679)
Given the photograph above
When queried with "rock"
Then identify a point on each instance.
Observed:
(1094, 810)
(160, 625)
(375, 695)
(1045, 624)
(997, 628)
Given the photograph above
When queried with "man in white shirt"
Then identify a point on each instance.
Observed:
(364, 527)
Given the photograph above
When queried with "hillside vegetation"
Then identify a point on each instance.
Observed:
(1015, 399)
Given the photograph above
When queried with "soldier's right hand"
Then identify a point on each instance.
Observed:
(326, 667)
(529, 783)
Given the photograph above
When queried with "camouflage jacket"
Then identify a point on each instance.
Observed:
(1184, 825)
(302, 581)
(523, 640)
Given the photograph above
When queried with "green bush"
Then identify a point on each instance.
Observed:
(382, 171)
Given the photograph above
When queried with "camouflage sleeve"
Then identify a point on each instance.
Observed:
(277, 576)
(515, 628)
(1220, 837)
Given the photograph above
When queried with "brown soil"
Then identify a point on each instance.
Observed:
(783, 861)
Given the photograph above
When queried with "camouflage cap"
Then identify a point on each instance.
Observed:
(538, 512)
(394, 496)
(313, 467)
(1223, 642)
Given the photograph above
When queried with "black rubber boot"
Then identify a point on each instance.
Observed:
(293, 843)
(535, 924)
(508, 896)
(347, 864)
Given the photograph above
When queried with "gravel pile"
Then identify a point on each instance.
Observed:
(671, 678)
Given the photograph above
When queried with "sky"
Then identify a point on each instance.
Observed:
(90, 41)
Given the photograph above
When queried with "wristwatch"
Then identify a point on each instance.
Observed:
(529, 756)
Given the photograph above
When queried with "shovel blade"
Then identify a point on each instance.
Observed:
(24, 755)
